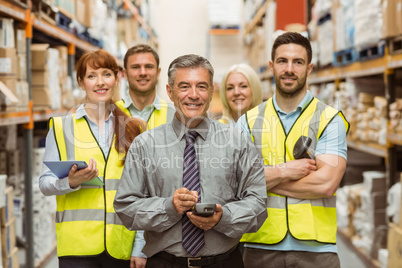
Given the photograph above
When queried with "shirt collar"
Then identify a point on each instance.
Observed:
(81, 112)
(301, 106)
(202, 128)
(156, 103)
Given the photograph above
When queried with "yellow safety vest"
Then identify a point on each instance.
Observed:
(224, 121)
(157, 118)
(86, 222)
(305, 219)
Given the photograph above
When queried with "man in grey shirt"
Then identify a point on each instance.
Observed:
(151, 196)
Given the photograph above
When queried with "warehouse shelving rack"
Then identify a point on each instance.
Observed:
(386, 66)
(22, 14)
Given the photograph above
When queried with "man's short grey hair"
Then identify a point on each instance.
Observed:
(189, 61)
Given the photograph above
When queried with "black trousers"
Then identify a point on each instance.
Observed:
(260, 258)
(102, 260)
(234, 261)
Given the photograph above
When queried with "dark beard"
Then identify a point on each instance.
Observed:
(289, 95)
(284, 94)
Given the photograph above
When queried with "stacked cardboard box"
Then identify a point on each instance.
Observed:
(367, 13)
(9, 250)
(67, 98)
(395, 110)
(41, 95)
(395, 241)
(371, 119)
(364, 221)
(22, 87)
(44, 208)
(8, 66)
(126, 32)
(13, 70)
(45, 77)
(392, 25)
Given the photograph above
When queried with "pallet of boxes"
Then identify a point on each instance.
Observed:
(9, 250)
(394, 245)
(13, 74)
(371, 120)
(395, 228)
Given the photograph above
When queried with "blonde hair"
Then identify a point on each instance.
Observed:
(253, 81)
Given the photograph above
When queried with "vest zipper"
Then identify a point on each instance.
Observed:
(104, 182)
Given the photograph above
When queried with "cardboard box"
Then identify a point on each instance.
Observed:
(39, 56)
(3, 179)
(12, 260)
(394, 246)
(63, 62)
(20, 224)
(41, 96)
(81, 13)
(400, 206)
(10, 82)
(3, 164)
(22, 93)
(7, 33)
(21, 41)
(14, 162)
(127, 31)
(392, 18)
(1, 257)
(8, 239)
(7, 211)
(22, 67)
(40, 78)
(8, 60)
(90, 7)
(8, 99)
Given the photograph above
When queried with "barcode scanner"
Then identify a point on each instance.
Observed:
(302, 148)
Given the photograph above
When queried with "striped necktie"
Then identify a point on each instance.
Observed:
(193, 237)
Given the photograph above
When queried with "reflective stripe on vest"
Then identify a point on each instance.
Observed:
(306, 219)
(86, 223)
(157, 118)
(87, 215)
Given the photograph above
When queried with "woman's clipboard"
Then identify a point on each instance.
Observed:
(62, 168)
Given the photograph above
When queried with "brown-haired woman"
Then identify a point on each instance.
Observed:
(89, 233)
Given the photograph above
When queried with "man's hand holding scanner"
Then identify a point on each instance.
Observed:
(184, 199)
(76, 177)
(206, 223)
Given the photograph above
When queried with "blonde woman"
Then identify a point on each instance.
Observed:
(240, 91)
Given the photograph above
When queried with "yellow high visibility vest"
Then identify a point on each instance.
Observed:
(157, 118)
(305, 219)
(223, 121)
(86, 222)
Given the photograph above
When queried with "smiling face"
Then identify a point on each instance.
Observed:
(191, 95)
(290, 68)
(238, 94)
(142, 73)
(98, 84)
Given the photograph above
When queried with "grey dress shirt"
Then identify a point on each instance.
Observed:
(231, 174)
